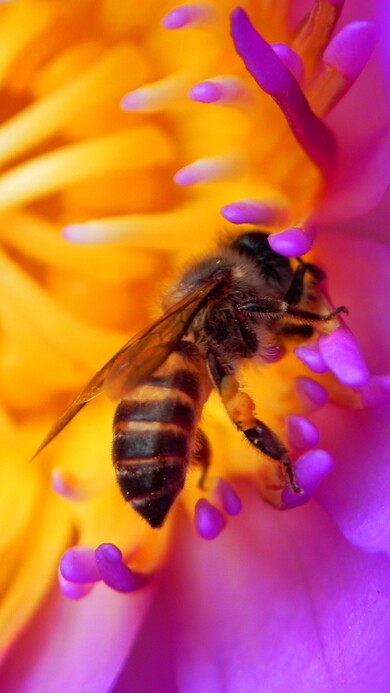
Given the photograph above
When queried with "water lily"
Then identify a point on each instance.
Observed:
(130, 137)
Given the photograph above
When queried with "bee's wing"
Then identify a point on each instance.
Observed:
(139, 357)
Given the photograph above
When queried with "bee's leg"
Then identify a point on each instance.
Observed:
(241, 410)
(202, 455)
(296, 288)
(275, 308)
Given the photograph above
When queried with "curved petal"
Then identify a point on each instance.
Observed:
(280, 601)
(76, 646)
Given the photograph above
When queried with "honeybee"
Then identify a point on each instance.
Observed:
(241, 302)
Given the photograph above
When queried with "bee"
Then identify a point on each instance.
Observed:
(245, 301)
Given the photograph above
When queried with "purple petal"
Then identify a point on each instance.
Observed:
(343, 356)
(277, 603)
(84, 643)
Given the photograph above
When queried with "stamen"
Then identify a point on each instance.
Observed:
(140, 147)
(315, 32)
(209, 521)
(114, 572)
(206, 170)
(291, 60)
(292, 242)
(376, 392)
(73, 590)
(224, 91)
(276, 80)
(349, 51)
(227, 496)
(194, 14)
(342, 355)
(157, 95)
(311, 357)
(301, 433)
(66, 484)
(78, 565)
(311, 393)
(310, 469)
(254, 212)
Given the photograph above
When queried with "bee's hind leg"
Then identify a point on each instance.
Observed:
(241, 410)
(202, 455)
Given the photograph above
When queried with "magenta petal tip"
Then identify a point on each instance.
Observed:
(342, 355)
(292, 242)
(349, 51)
(113, 571)
(78, 565)
(302, 434)
(227, 496)
(209, 521)
(310, 469)
(311, 393)
(312, 358)
(189, 15)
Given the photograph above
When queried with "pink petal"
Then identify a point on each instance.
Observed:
(76, 646)
(280, 601)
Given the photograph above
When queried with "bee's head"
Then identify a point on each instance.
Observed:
(275, 268)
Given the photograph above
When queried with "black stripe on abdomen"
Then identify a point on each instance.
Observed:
(182, 380)
(167, 410)
(152, 443)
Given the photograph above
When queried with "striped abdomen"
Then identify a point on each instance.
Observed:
(154, 431)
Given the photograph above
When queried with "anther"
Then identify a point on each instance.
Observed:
(341, 353)
(311, 393)
(73, 590)
(254, 212)
(292, 242)
(78, 565)
(209, 521)
(66, 484)
(114, 572)
(349, 51)
(301, 433)
(227, 497)
(193, 14)
(224, 91)
(205, 170)
(310, 468)
(311, 357)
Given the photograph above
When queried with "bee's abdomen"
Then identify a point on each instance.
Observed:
(153, 435)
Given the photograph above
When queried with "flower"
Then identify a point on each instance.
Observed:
(101, 205)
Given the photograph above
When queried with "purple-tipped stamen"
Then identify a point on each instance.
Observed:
(311, 393)
(341, 353)
(204, 171)
(114, 572)
(312, 358)
(253, 212)
(73, 590)
(376, 392)
(349, 51)
(302, 434)
(78, 565)
(191, 15)
(276, 80)
(228, 498)
(209, 521)
(292, 242)
(224, 91)
(310, 469)
(291, 60)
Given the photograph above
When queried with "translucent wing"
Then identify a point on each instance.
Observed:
(139, 357)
